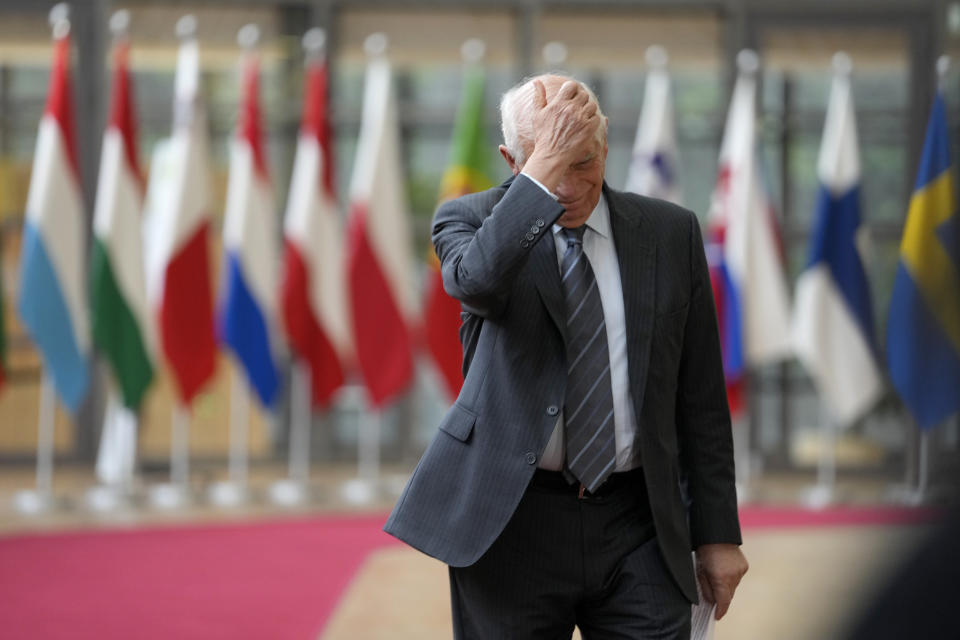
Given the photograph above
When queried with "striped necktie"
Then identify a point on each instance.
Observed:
(588, 410)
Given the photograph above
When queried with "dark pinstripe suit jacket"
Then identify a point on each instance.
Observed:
(499, 259)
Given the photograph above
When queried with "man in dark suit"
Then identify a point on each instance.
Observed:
(589, 450)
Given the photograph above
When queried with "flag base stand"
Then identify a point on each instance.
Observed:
(289, 492)
(106, 498)
(40, 499)
(359, 491)
(228, 494)
(819, 496)
(170, 496)
(33, 502)
(907, 495)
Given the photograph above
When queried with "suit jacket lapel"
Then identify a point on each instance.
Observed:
(546, 275)
(637, 257)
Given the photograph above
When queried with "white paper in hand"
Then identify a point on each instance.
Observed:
(702, 624)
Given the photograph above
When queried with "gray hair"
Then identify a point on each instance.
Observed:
(516, 116)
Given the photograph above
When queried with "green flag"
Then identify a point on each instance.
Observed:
(468, 172)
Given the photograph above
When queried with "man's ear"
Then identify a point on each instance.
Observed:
(514, 167)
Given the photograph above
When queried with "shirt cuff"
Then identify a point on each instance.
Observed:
(539, 184)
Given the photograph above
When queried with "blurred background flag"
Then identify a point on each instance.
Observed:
(379, 267)
(178, 197)
(3, 330)
(744, 250)
(121, 319)
(249, 306)
(833, 323)
(923, 329)
(314, 289)
(122, 326)
(52, 298)
(653, 169)
(468, 172)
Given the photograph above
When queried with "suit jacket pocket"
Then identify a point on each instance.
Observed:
(458, 423)
(673, 318)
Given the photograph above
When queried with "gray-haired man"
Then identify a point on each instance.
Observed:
(589, 450)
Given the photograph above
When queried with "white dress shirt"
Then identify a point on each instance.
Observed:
(600, 249)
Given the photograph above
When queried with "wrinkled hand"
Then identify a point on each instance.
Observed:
(563, 127)
(719, 570)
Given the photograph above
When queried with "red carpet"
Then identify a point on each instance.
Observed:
(260, 581)
(267, 581)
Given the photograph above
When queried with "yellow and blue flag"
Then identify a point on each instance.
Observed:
(923, 332)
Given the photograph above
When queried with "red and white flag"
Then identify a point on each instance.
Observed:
(178, 222)
(313, 294)
(379, 273)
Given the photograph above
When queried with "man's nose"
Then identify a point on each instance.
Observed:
(565, 189)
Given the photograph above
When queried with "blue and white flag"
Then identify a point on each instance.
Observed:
(53, 262)
(833, 327)
(923, 330)
(654, 166)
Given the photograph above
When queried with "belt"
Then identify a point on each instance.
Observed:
(556, 482)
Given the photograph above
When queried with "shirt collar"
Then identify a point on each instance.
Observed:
(599, 220)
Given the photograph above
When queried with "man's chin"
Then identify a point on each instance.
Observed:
(573, 219)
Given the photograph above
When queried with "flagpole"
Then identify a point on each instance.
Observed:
(923, 463)
(368, 446)
(176, 493)
(741, 453)
(823, 492)
(117, 450)
(294, 489)
(45, 437)
(114, 467)
(233, 491)
(923, 472)
(365, 487)
(239, 434)
(300, 430)
(40, 499)
(179, 445)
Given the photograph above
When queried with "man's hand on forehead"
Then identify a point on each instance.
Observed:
(565, 126)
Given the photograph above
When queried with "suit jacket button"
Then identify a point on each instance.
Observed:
(540, 222)
(552, 410)
(534, 229)
(529, 236)
(524, 244)
(531, 457)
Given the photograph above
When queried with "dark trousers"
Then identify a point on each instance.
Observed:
(565, 561)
